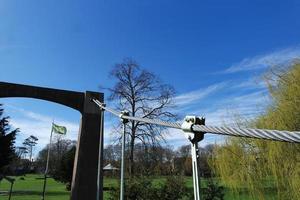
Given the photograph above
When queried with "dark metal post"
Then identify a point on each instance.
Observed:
(87, 180)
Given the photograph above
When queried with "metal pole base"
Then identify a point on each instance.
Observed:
(196, 175)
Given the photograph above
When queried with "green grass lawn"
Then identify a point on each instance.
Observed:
(31, 188)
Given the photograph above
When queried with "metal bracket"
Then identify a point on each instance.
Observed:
(124, 113)
(101, 103)
(187, 127)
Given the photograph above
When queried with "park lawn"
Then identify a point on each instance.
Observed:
(31, 187)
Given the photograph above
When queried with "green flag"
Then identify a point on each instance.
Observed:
(59, 129)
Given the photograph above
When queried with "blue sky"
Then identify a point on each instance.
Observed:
(213, 52)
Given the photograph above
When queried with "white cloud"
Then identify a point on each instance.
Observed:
(223, 113)
(193, 96)
(245, 106)
(280, 57)
(251, 83)
(31, 123)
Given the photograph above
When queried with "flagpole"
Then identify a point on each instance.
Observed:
(47, 164)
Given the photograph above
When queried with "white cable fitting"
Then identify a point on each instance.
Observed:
(122, 114)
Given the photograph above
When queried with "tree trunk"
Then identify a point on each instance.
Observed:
(133, 129)
(131, 161)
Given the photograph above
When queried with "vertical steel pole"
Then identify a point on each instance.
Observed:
(196, 174)
(122, 184)
(123, 163)
(99, 188)
(194, 137)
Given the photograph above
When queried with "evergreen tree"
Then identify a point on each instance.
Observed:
(64, 173)
(7, 140)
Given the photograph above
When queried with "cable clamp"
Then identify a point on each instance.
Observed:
(100, 104)
(103, 106)
(187, 127)
(124, 113)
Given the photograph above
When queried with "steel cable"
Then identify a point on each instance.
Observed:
(285, 136)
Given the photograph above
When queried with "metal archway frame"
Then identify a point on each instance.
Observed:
(87, 180)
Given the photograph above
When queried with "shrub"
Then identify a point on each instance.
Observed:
(141, 188)
(136, 188)
(174, 188)
(213, 191)
(65, 171)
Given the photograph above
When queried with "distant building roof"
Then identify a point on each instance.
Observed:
(109, 167)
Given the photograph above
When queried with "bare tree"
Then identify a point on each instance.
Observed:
(59, 148)
(142, 94)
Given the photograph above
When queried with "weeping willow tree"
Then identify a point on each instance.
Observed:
(262, 166)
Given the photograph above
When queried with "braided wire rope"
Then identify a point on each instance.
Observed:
(284, 136)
